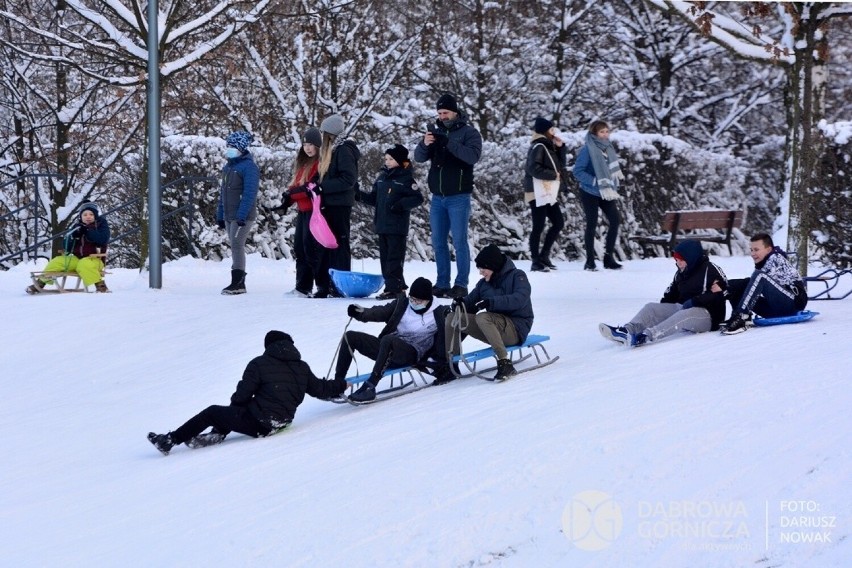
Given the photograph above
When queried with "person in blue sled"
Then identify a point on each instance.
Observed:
(265, 401)
(775, 289)
(688, 304)
(407, 338)
(502, 307)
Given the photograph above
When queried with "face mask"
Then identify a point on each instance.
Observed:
(417, 307)
(232, 153)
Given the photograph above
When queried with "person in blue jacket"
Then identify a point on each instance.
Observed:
(502, 304)
(690, 303)
(237, 208)
(599, 174)
(394, 197)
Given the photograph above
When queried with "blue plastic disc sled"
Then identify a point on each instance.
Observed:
(795, 318)
(356, 284)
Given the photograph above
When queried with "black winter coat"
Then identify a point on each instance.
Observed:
(694, 284)
(275, 384)
(340, 181)
(394, 197)
(452, 155)
(541, 157)
(509, 294)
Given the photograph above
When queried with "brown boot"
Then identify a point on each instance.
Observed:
(36, 287)
(101, 286)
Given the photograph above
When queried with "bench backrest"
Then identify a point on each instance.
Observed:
(688, 220)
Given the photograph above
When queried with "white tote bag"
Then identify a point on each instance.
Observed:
(546, 190)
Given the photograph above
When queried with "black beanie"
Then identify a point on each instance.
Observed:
(448, 102)
(421, 289)
(274, 336)
(399, 153)
(491, 258)
(542, 125)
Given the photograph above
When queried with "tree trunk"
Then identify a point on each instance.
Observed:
(805, 145)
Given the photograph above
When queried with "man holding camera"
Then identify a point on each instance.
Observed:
(453, 146)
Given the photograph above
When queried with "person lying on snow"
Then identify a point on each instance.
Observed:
(502, 304)
(688, 304)
(412, 324)
(775, 289)
(265, 401)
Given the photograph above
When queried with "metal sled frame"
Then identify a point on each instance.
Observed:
(533, 344)
(404, 380)
(830, 278)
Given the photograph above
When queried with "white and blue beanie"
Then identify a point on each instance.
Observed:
(239, 140)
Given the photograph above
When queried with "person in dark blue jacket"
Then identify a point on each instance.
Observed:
(502, 304)
(690, 303)
(265, 401)
(237, 208)
(394, 197)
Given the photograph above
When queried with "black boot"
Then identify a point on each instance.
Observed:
(505, 369)
(162, 442)
(366, 393)
(237, 285)
(609, 262)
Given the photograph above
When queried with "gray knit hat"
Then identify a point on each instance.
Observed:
(333, 125)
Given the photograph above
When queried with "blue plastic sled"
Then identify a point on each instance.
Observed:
(795, 318)
(356, 284)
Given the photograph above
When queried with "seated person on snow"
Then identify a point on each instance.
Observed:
(688, 304)
(272, 388)
(407, 338)
(89, 236)
(502, 306)
(775, 289)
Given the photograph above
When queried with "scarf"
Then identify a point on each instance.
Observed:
(607, 171)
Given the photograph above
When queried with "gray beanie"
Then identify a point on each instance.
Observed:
(313, 136)
(333, 125)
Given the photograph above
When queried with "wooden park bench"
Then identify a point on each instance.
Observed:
(712, 226)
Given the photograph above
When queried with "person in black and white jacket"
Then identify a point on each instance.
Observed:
(775, 289)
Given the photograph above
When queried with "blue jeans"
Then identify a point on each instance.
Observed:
(450, 215)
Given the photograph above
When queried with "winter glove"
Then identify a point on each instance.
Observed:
(297, 189)
(355, 311)
(241, 223)
(314, 187)
(220, 223)
(79, 231)
(458, 303)
(482, 304)
(687, 304)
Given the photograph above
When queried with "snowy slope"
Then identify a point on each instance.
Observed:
(698, 451)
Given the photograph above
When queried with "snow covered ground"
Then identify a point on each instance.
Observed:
(697, 451)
